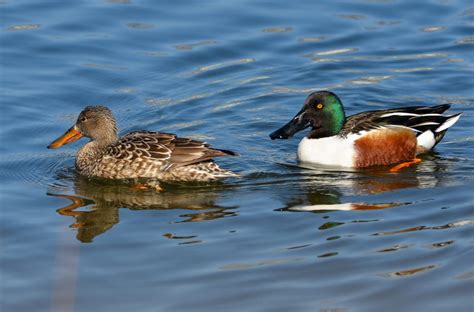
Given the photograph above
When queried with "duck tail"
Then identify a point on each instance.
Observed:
(450, 120)
(227, 152)
(437, 109)
(433, 135)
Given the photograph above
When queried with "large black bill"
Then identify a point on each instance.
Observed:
(298, 123)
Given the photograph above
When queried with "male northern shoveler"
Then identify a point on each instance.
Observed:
(380, 137)
(139, 154)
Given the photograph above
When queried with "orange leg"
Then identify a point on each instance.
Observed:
(405, 164)
(147, 186)
(139, 187)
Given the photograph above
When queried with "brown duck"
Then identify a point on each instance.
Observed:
(139, 154)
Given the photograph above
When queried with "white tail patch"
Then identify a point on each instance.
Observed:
(448, 123)
(426, 140)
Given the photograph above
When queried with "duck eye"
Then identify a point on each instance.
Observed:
(319, 106)
(83, 119)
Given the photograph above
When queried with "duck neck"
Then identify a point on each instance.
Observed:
(91, 153)
(332, 126)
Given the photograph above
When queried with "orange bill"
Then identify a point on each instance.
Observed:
(70, 136)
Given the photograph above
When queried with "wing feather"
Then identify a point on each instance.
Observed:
(166, 148)
(418, 118)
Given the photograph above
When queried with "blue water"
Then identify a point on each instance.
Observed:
(230, 73)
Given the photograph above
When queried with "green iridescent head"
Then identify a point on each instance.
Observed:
(322, 111)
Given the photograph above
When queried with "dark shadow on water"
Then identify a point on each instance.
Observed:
(100, 203)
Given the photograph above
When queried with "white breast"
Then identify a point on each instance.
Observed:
(330, 151)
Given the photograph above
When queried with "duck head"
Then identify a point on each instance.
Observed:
(94, 122)
(322, 111)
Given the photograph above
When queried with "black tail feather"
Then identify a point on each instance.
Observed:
(228, 152)
(426, 118)
(438, 109)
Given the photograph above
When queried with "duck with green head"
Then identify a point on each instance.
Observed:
(379, 137)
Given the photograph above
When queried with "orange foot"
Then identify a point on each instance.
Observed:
(139, 187)
(405, 164)
(77, 225)
(147, 186)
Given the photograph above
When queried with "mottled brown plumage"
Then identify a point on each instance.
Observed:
(139, 154)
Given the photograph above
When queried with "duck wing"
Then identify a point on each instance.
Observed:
(166, 148)
(188, 151)
(417, 118)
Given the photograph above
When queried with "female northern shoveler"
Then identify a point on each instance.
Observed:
(139, 154)
(381, 137)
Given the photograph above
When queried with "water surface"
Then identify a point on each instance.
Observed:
(281, 237)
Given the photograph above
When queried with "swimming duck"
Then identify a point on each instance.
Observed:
(379, 137)
(139, 154)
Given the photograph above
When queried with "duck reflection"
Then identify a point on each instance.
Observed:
(325, 189)
(323, 200)
(100, 204)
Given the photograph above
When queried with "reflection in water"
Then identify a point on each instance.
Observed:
(409, 271)
(329, 254)
(190, 46)
(320, 196)
(265, 262)
(277, 29)
(423, 227)
(102, 203)
(23, 27)
(313, 189)
(395, 248)
(324, 188)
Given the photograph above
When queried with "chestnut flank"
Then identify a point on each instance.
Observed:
(385, 147)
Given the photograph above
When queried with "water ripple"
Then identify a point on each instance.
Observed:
(409, 272)
(277, 29)
(369, 79)
(32, 168)
(331, 52)
(23, 27)
(190, 46)
(433, 28)
(423, 227)
(217, 66)
(140, 26)
(230, 73)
